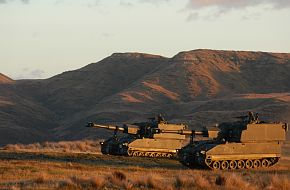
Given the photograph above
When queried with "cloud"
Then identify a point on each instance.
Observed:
(221, 7)
(126, 3)
(28, 73)
(236, 4)
(193, 16)
(154, 2)
(93, 3)
(7, 1)
(90, 2)
(106, 35)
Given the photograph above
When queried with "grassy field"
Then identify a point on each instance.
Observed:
(55, 168)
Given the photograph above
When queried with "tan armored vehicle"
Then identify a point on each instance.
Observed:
(155, 138)
(248, 143)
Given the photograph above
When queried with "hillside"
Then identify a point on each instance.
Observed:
(4, 79)
(199, 87)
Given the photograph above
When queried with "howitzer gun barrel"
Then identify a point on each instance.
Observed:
(185, 132)
(109, 127)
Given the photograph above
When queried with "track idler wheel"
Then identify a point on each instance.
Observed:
(130, 153)
(273, 161)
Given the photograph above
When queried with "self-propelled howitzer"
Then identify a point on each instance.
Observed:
(248, 143)
(155, 138)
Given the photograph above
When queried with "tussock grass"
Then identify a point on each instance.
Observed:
(88, 146)
(196, 181)
(80, 182)
(109, 173)
(125, 180)
(281, 182)
(42, 178)
(117, 179)
(235, 181)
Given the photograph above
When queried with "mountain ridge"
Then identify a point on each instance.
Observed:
(198, 87)
(5, 79)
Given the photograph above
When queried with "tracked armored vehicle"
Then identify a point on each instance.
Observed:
(247, 143)
(155, 138)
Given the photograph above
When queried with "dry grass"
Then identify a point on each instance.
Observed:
(93, 182)
(280, 182)
(150, 181)
(197, 181)
(42, 178)
(89, 146)
(234, 181)
(19, 170)
(53, 175)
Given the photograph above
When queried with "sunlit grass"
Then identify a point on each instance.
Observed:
(70, 170)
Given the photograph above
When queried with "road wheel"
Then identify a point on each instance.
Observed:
(224, 165)
(249, 164)
(233, 164)
(241, 164)
(216, 165)
(158, 155)
(208, 162)
(256, 163)
(155, 154)
(164, 155)
(265, 163)
(141, 154)
(135, 153)
(169, 155)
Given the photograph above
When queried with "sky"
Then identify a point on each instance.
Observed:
(42, 38)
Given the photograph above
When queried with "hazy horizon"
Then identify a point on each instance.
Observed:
(40, 39)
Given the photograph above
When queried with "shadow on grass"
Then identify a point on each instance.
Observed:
(134, 163)
(95, 160)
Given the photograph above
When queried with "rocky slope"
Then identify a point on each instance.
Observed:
(199, 87)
